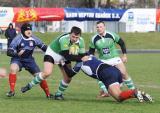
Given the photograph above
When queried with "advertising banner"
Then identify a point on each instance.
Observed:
(88, 14)
(38, 14)
(136, 20)
(140, 20)
(158, 16)
(6, 16)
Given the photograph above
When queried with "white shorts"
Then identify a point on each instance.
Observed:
(57, 57)
(113, 61)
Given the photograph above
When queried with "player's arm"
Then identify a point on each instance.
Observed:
(123, 48)
(81, 46)
(12, 50)
(91, 51)
(122, 45)
(91, 47)
(120, 42)
(71, 57)
(72, 71)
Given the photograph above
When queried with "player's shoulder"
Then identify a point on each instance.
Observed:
(81, 38)
(95, 37)
(113, 34)
(18, 37)
(63, 37)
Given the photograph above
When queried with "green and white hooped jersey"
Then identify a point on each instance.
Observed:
(63, 43)
(105, 46)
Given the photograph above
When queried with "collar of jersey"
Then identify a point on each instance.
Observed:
(75, 42)
(30, 38)
(103, 35)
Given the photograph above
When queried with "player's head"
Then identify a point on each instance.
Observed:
(26, 30)
(75, 34)
(100, 26)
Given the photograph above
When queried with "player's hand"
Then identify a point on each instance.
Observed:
(21, 52)
(85, 58)
(124, 58)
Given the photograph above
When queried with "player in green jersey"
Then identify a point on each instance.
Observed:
(105, 43)
(62, 48)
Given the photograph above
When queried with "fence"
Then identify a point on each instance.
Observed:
(86, 26)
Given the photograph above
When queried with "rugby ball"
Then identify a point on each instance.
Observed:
(74, 49)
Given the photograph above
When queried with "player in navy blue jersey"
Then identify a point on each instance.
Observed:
(20, 51)
(109, 75)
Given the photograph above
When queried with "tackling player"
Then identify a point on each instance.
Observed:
(110, 76)
(20, 50)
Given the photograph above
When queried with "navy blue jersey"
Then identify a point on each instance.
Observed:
(28, 44)
(98, 70)
(90, 67)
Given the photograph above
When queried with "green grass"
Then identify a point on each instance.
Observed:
(133, 40)
(80, 97)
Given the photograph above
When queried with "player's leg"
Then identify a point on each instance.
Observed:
(48, 67)
(115, 92)
(63, 84)
(112, 62)
(14, 68)
(147, 97)
(127, 80)
(50, 58)
(103, 91)
(112, 78)
(33, 68)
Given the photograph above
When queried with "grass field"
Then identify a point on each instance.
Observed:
(80, 97)
(133, 40)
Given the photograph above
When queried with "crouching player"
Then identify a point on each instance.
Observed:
(20, 51)
(110, 76)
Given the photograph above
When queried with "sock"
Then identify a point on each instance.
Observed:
(36, 80)
(129, 83)
(12, 81)
(44, 86)
(102, 86)
(62, 87)
(124, 95)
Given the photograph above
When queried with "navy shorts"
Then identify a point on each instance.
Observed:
(29, 64)
(110, 75)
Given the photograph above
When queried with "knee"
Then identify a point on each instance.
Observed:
(124, 74)
(67, 79)
(14, 69)
(46, 74)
